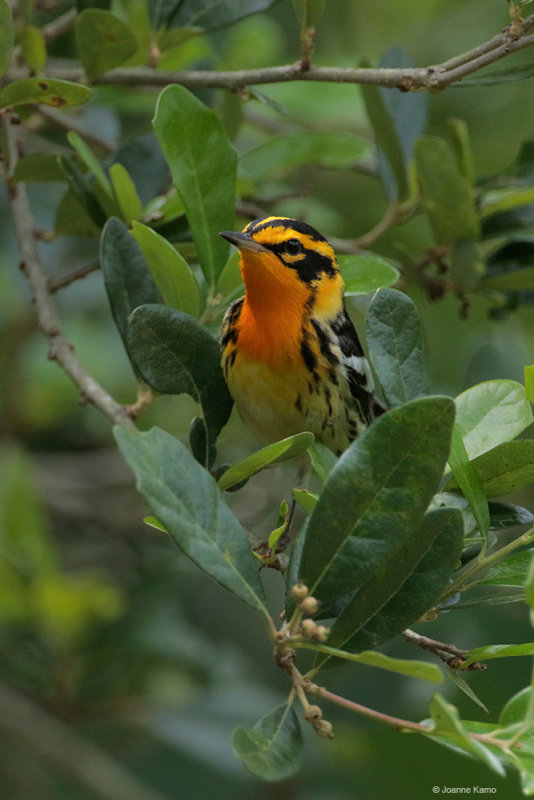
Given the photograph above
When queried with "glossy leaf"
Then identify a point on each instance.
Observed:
(447, 196)
(271, 750)
(125, 193)
(6, 36)
(365, 273)
(172, 273)
(492, 413)
(33, 47)
(104, 41)
(292, 447)
(506, 468)
(49, 91)
(127, 278)
(203, 167)
(469, 481)
(396, 346)
(396, 465)
(280, 154)
(185, 498)
(176, 355)
(423, 587)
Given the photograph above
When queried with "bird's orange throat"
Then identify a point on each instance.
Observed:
(272, 316)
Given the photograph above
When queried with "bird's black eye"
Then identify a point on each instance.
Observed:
(293, 246)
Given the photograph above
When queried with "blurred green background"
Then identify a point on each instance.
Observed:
(134, 666)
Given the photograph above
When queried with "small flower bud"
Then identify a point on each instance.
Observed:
(309, 606)
(324, 729)
(321, 633)
(308, 628)
(313, 714)
(299, 592)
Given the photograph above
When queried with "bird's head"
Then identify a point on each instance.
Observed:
(287, 261)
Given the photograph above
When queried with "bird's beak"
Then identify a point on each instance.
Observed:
(243, 241)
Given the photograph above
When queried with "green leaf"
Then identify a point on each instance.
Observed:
(504, 469)
(207, 14)
(81, 190)
(127, 278)
(203, 167)
(281, 154)
(365, 273)
(91, 162)
(104, 41)
(421, 670)
(462, 149)
(448, 724)
(383, 584)
(39, 167)
(469, 481)
(512, 571)
(447, 196)
(33, 47)
(323, 460)
(6, 36)
(497, 651)
(185, 498)
(396, 347)
(490, 414)
(125, 193)
(454, 676)
(72, 219)
(49, 91)
(283, 519)
(152, 522)
(423, 587)
(387, 140)
(271, 750)
(176, 355)
(396, 465)
(172, 273)
(292, 447)
(306, 500)
(518, 279)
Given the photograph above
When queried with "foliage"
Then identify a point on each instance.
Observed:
(413, 521)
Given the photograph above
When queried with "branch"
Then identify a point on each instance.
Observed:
(448, 653)
(61, 349)
(70, 123)
(73, 275)
(433, 78)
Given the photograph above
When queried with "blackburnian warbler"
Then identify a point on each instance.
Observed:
(290, 355)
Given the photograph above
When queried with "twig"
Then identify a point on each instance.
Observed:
(60, 25)
(74, 275)
(434, 77)
(61, 349)
(70, 123)
(54, 740)
(448, 653)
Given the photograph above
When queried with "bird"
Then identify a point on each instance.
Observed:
(291, 357)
